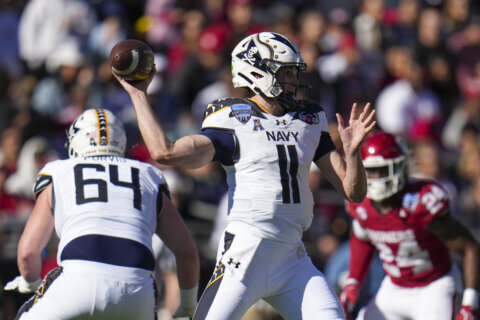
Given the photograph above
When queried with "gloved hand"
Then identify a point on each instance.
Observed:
(188, 303)
(469, 308)
(466, 313)
(349, 296)
(21, 285)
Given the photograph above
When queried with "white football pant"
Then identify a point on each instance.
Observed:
(432, 302)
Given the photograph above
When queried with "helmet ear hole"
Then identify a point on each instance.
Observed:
(256, 75)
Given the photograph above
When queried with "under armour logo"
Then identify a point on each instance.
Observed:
(233, 262)
(279, 122)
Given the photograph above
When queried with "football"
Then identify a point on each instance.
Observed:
(131, 60)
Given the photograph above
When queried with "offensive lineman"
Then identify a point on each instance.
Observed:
(105, 209)
(266, 145)
(408, 221)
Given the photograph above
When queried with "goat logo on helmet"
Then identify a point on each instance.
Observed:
(257, 58)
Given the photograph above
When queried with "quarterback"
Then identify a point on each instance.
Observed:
(408, 221)
(105, 209)
(266, 145)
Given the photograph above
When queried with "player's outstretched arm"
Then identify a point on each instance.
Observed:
(457, 237)
(348, 175)
(174, 233)
(35, 237)
(361, 255)
(191, 151)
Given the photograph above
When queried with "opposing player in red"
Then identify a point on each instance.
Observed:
(408, 221)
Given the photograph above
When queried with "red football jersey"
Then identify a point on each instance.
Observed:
(411, 256)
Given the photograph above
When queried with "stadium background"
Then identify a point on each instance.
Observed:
(417, 61)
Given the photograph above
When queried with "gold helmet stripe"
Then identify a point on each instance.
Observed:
(102, 127)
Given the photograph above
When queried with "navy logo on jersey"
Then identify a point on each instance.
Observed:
(282, 136)
(257, 126)
(243, 112)
(309, 118)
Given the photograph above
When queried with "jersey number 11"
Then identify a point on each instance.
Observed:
(288, 172)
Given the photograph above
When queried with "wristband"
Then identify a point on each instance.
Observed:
(470, 298)
(188, 297)
(351, 281)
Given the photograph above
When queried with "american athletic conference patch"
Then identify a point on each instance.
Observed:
(242, 112)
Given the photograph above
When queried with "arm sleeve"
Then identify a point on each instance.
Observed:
(361, 254)
(324, 146)
(225, 144)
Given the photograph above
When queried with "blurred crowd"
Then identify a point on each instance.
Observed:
(416, 61)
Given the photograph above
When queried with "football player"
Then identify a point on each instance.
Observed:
(408, 221)
(105, 209)
(266, 144)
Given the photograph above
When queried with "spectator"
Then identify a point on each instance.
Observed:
(469, 212)
(33, 155)
(46, 25)
(406, 107)
(430, 36)
(401, 24)
(51, 95)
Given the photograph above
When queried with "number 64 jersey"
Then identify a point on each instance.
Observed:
(268, 173)
(411, 255)
(107, 200)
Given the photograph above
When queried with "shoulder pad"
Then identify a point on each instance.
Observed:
(43, 181)
(45, 176)
(312, 113)
(426, 198)
(163, 187)
(228, 113)
(153, 172)
(219, 104)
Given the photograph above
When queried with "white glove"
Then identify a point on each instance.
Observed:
(23, 286)
(188, 303)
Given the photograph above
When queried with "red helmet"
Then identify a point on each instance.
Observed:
(388, 153)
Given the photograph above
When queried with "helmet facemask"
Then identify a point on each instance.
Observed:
(391, 177)
(385, 158)
(256, 61)
(288, 99)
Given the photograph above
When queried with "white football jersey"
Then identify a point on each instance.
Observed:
(268, 179)
(103, 195)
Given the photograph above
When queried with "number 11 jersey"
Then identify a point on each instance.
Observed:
(268, 170)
